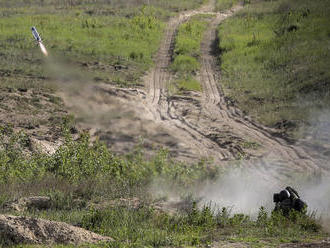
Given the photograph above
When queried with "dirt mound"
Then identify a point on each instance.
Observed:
(227, 244)
(324, 243)
(22, 204)
(18, 230)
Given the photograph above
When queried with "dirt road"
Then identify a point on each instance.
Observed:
(207, 123)
(191, 126)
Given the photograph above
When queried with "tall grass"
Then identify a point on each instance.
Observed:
(187, 51)
(274, 59)
(225, 4)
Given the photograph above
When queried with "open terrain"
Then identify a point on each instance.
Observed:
(132, 117)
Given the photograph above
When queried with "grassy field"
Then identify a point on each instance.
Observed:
(87, 41)
(187, 52)
(113, 42)
(85, 180)
(274, 61)
(226, 4)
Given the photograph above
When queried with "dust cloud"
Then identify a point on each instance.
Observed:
(79, 92)
(241, 191)
(245, 190)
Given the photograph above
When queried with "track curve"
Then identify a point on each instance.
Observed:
(207, 124)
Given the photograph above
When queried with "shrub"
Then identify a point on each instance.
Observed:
(185, 64)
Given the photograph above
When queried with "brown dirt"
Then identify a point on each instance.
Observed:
(191, 126)
(208, 125)
(25, 230)
(36, 113)
(32, 202)
(320, 244)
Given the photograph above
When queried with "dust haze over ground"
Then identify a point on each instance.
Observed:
(245, 190)
(189, 127)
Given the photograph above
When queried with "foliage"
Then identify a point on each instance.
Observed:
(187, 52)
(81, 159)
(145, 226)
(225, 4)
(274, 59)
(83, 173)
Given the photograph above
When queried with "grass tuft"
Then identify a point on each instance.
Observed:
(274, 59)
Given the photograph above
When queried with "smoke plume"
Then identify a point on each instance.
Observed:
(43, 49)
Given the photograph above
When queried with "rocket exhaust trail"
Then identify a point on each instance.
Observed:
(43, 49)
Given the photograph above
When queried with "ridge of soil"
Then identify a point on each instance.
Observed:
(192, 126)
(210, 126)
(18, 230)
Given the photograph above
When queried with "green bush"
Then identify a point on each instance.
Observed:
(79, 160)
(185, 64)
(187, 52)
(225, 4)
(274, 61)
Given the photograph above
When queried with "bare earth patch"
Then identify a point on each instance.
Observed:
(25, 230)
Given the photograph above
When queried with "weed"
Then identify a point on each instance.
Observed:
(273, 56)
(187, 52)
(222, 5)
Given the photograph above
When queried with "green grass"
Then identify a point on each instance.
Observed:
(102, 7)
(107, 41)
(188, 84)
(83, 178)
(226, 4)
(187, 52)
(275, 59)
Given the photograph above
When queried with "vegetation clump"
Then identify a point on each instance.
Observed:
(274, 60)
(83, 178)
(227, 4)
(187, 52)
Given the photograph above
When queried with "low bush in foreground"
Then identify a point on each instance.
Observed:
(87, 183)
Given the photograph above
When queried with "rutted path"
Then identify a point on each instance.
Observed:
(285, 156)
(161, 106)
(191, 126)
(207, 124)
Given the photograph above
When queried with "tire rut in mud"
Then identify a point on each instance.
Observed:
(274, 149)
(163, 108)
(210, 126)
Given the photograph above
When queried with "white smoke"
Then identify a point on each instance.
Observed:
(316, 193)
(245, 192)
(241, 191)
(43, 49)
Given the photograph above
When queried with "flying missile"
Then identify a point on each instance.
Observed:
(39, 41)
(36, 34)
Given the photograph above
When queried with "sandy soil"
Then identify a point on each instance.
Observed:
(191, 126)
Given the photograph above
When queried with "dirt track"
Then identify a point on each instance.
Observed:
(210, 126)
(195, 125)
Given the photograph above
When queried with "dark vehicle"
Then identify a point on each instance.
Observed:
(287, 200)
